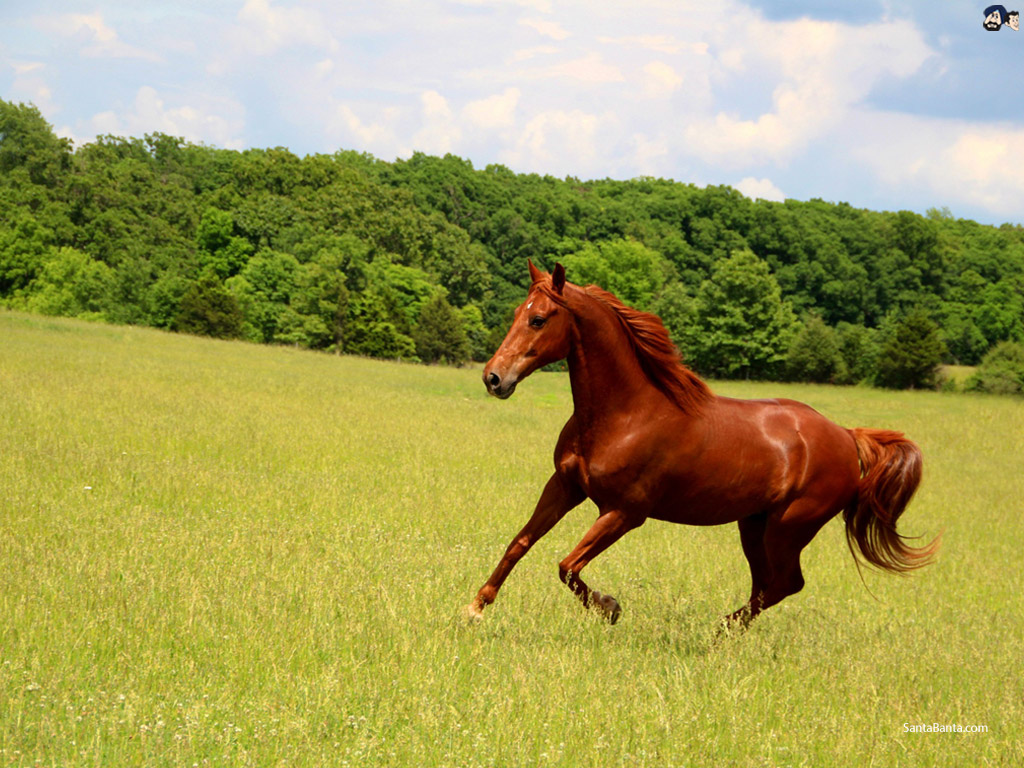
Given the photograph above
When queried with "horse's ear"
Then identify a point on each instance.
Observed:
(535, 274)
(558, 278)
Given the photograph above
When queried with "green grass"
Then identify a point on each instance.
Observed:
(215, 553)
(958, 373)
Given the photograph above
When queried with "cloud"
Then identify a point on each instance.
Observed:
(378, 135)
(824, 70)
(30, 83)
(658, 43)
(588, 69)
(266, 29)
(559, 142)
(660, 80)
(150, 114)
(650, 156)
(762, 189)
(525, 54)
(440, 133)
(944, 161)
(545, 28)
(494, 112)
(94, 36)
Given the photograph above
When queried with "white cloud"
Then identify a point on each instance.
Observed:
(825, 69)
(588, 69)
(96, 38)
(324, 68)
(150, 114)
(440, 133)
(559, 142)
(30, 83)
(377, 136)
(525, 54)
(943, 161)
(650, 156)
(546, 28)
(660, 80)
(759, 188)
(494, 112)
(266, 29)
(658, 43)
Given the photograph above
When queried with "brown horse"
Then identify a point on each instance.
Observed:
(648, 439)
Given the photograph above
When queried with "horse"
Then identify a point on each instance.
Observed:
(648, 439)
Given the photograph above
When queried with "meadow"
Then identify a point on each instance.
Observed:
(220, 554)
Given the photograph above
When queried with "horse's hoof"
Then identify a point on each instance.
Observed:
(607, 605)
(474, 613)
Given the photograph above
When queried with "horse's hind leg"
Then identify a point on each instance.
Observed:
(784, 539)
(776, 564)
(752, 537)
(608, 529)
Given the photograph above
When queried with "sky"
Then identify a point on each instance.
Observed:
(901, 105)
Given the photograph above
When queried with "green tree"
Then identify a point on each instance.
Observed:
(71, 284)
(814, 354)
(24, 245)
(963, 339)
(440, 334)
(859, 350)
(264, 291)
(219, 249)
(627, 268)
(911, 353)
(678, 312)
(743, 326)
(369, 332)
(29, 146)
(477, 335)
(322, 299)
(209, 309)
(1001, 371)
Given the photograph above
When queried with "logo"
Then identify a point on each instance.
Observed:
(997, 15)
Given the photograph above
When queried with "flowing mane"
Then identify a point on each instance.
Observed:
(658, 356)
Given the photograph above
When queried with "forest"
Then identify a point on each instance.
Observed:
(424, 259)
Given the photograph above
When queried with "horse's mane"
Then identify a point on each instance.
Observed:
(658, 356)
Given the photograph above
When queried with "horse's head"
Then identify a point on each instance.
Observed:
(539, 334)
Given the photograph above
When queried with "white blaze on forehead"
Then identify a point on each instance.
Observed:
(529, 305)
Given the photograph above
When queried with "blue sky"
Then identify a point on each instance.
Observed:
(886, 105)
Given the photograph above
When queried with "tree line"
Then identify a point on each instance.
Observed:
(424, 259)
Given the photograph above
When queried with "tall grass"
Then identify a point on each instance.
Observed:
(215, 553)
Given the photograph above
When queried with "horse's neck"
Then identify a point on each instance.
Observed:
(604, 371)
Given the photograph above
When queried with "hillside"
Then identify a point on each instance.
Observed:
(425, 258)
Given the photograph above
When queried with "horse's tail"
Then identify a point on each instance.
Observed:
(891, 467)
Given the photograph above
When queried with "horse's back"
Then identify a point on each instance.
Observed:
(759, 456)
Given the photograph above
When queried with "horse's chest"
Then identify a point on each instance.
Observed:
(610, 476)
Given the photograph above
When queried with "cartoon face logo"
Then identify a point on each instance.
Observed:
(994, 16)
(997, 15)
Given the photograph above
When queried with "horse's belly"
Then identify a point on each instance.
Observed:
(710, 505)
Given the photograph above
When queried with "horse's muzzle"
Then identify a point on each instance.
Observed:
(502, 389)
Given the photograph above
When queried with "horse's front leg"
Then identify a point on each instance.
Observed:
(609, 528)
(559, 496)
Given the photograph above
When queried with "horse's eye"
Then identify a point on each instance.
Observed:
(537, 321)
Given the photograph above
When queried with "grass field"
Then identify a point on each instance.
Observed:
(215, 553)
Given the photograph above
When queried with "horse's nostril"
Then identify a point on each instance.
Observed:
(494, 380)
